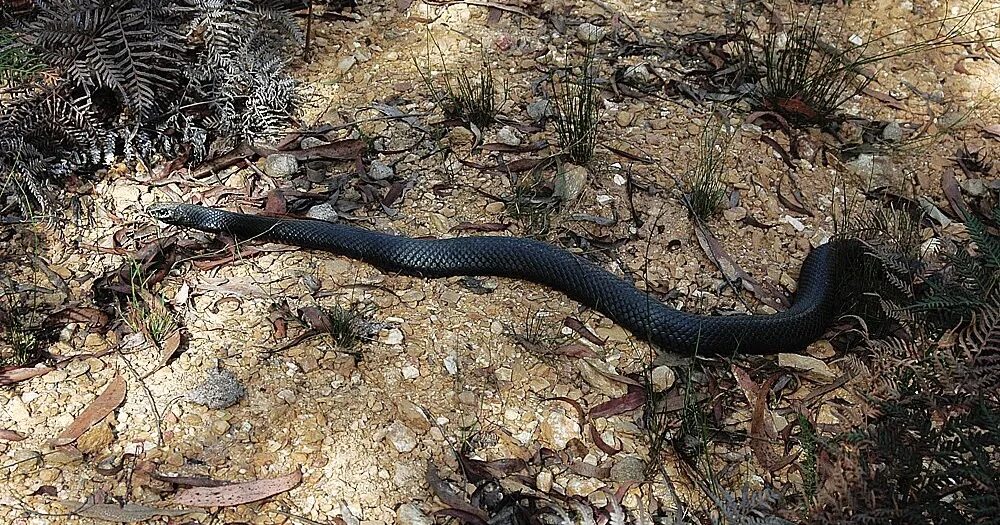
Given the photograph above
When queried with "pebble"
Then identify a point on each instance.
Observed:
(380, 171)
(570, 182)
(16, 410)
(393, 336)
(410, 372)
(403, 439)
(508, 136)
(624, 118)
(413, 416)
(892, 132)
(557, 429)
(663, 378)
(48, 475)
(281, 165)
(451, 364)
(495, 207)
(628, 468)
(583, 486)
(539, 109)
(543, 481)
(55, 376)
(590, 34)
(220, 389)
(287, 395)
(312, 142)
(974, 187)
(345, 64)
(410, 514)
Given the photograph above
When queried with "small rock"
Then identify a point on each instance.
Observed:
(540, 109)
(599, 375)
(410, 372)
(974, 187)
(287, 395)
(125, 194)
(821, 349)
(583, 486)
(281, 165)
(543, 481)
(795, 223)
(508, 136)
(590, 34)
(323, 212)
(312, 142)
(16, 410)
(345, 64)
(736, 213)
(628, 468)
(410, 514)
(459, 137)
(495, 207)
(380, 171)
(451, 364)
(220, 389)
(413, 416)
(557, 429)
(402, 438)
(892, 132)
(48, 475)
(624, 118)
(393, 336)
(570, 182)
(663, 378)
(810, 365)
(55, 376)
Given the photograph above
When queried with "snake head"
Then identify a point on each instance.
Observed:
(168, 212)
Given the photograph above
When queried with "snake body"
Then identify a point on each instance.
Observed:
(647, 318)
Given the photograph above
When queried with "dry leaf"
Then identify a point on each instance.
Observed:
(10, 435)
(993, 130)
(109, 400)
(9, 377)
(238, 493)
(128, 513)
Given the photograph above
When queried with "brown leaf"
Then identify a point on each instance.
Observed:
(16, 375)
(444, 491)
(993, 130)
(779, 149)
(953, 192)
(81, 314)
(595, 436)
(884, 98)
(732, 272)
(276, 203)
(98, 409)
(634, 399)
(238, 493)
(577, 326)
(170, 346)
(791, 197)
(128, 513)
(10, 435)
(316, 318)
(394, 193)
(347, 149)
(574, 350)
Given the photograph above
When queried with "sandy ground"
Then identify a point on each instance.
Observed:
(441, 370)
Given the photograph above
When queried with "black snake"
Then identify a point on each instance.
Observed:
(670, 329)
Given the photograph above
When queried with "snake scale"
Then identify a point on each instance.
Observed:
(791, 330)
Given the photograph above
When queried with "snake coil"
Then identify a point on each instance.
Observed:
(814, 304)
